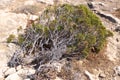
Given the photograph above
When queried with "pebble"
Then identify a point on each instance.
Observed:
(102, 75)
(14, 77)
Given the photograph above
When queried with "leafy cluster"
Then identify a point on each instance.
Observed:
(10, 38)
(62, 31)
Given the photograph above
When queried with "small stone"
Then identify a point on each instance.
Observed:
(102, 75)
(14, 77)
(117, 70)
(80, 62)
(28, 71)
(57, 78)
(92, 5)
(117, 29)
(50, 2)
(10, 71)
(19, 67)
(102, 4)
(91, 76)
(27, 79)
(29, 2)
(33, 17)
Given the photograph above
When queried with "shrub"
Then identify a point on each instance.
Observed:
(63, 31)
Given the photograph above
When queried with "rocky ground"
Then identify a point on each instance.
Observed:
(16, 13)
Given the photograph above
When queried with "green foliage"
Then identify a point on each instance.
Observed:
(20, 39)
(77, 26)
(89, 30)
(85, 52)
(10, 38)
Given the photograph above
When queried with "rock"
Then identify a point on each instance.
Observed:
(3, 69)
(10, 71)
(117, 78)
(26, 71)
(20, 74)
(91, 76)
(110, 17)
(117, 29)
(14, 77)
(29, 2)
(57, 65)
(33, 17)
(47, 72)
(19, 67)
(50, 2)
(80, 62)
(102, 75)
(115, 9)
(57, 78)
(92, 5)
(102, 4)
(27, 79)
(117, 70)
(5, 54)
(75, 2)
